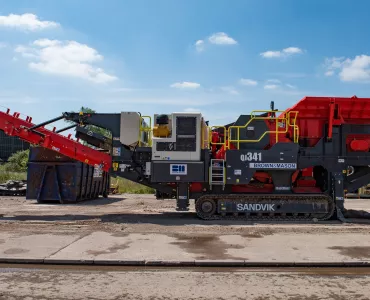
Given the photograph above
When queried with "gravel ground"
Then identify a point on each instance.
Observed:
(176, 285)
(145, 214)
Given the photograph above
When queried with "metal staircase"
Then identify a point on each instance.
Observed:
(217, 172)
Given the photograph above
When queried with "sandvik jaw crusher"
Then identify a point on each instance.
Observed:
(281, 165)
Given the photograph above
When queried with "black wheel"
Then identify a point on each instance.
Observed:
(105, 194)
(205, 208)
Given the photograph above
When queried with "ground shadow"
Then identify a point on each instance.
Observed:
(164, 219)
(87, 202)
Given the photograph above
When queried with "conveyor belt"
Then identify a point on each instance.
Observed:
(13, 125)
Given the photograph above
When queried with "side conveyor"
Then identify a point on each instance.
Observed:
(13, 125)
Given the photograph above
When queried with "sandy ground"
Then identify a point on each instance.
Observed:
(138, 214)
(145, 214)
(176, 284)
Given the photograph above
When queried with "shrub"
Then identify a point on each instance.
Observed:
(17, 162)
(6, 175)
(128, 187)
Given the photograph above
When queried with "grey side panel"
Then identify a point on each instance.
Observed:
(242, 164)
(182, 197)
(253, 131)
(333, 155)
(106, 121)
(173, 171)
(255, 207)
(338, 189)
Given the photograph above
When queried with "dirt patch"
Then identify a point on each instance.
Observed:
(110, 250)
(353, 252)
(16, 251)
(206, 247)
(119, 234)
(254, 235)
(331, 296)
(125, 214)
(300, 297)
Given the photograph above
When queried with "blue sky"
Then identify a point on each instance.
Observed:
(223, 58)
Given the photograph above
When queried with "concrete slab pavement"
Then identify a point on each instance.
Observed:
(138, 247)
(202, 249)
(33, 246)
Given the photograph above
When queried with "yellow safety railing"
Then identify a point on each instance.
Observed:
(287, 120)
(292, 123)
(147, 129)
(204, 135)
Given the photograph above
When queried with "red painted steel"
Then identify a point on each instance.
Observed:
(315, 112)
(13, 125)
(359, 145)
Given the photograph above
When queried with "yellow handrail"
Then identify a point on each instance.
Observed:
(286, 119)
(295, 127)
(145, 129)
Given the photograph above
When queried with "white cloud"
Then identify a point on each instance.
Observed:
(357, 69)
(350, 70)
(281, 53)
(46, 42)
(185, 85)
(229, 89)
(65, 58)
(199, 45)
(287, 89)
(292, 50)
(270, 86)
(274, 84)
(26, 52)
(248, 82)
(26, 22)
(271, 54)
(273, 81)
(332, 64)
(221, 38)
